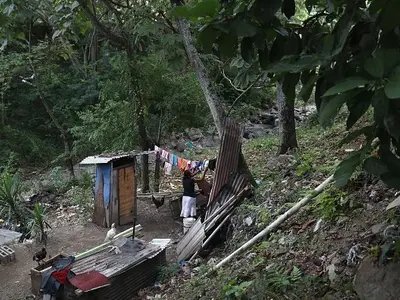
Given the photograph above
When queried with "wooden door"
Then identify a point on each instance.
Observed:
(126, 194)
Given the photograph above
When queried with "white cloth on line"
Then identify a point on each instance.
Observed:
(188, 207)
(168, 168)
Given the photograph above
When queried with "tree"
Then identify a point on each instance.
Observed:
(287, 126)
(347, 51)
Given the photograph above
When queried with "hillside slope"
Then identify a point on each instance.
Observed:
(314, 255)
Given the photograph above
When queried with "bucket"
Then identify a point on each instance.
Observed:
(187, 223)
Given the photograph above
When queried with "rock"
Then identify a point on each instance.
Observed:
(181, 146)
(212, 261)
(331, 269)
(249, 221)
(318, 225)
(374, 283)
(251, 255)
(268, 119)
(377, 228)
(194, 134)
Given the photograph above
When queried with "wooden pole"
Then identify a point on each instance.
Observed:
(274, 225)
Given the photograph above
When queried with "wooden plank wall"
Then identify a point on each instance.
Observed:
(114, 202)
(98, 212)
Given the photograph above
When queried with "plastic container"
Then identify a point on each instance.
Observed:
(187, 223)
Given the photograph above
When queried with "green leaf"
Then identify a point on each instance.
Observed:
(348, 84)
(207, 8)
(243, 28)
(265, 11)
(56, 34)
(389, 15)
(181, 11)
(289, 8)
(381, 105)
(346, 168)
(263, 58)
(375, 166)
(374, 66)
(20, 36)
(308, 79)
(227, 44)
(207, 37)
(389, 57)
(376, 5)
(367, 131)
(391, 179)
(392, 124)
(290, 81)
(358, 107)
(330, 107)
(392, 87)
(246, 49)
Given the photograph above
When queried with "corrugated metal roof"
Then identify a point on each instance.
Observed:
(228, 157)
(106, 158)
(111, 264)
(191, 241)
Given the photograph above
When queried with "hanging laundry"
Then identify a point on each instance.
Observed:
(157, 149)
(193, 165)
(171, 159)
(168, 168)
(174, 160)
(180, 162)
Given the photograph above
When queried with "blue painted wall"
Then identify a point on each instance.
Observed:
(105, 170)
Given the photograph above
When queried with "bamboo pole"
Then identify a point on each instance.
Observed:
(273, 225)
(127, 233)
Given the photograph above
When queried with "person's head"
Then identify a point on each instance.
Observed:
(187, 174)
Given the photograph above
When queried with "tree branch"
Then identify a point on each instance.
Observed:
(119, 40)
(168, 21)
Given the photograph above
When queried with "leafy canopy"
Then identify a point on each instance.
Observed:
(345, 52)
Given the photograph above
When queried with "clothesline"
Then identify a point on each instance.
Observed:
(173, 160)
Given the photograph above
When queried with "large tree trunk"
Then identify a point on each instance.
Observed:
(212, 98)
(287, 124)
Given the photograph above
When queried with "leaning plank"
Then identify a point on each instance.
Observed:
(275, 224)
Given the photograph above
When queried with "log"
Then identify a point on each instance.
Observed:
(273, 225)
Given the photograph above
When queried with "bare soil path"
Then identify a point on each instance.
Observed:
(72, 236)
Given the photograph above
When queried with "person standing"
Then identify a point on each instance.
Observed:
(189, 193)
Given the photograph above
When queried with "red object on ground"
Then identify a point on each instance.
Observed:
(61, 276)
(89, 281)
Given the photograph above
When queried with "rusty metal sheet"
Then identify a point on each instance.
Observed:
(228, 156)
(191, 241)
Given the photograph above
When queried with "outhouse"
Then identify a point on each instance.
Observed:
(114, 189)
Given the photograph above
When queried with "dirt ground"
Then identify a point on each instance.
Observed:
(70, 235)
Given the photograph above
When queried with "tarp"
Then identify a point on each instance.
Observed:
(89, 281)
(105, 171)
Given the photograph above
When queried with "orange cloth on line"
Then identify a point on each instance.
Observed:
(180, 163)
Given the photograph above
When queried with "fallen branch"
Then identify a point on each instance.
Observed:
(273, 225)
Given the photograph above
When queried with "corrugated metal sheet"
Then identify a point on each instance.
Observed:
(228, 156)
(111, 264)
(236, 183)
(125, 285)
(106, 158)
(191, 241)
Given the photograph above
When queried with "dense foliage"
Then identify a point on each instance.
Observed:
(90, 85)
(347, 52)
